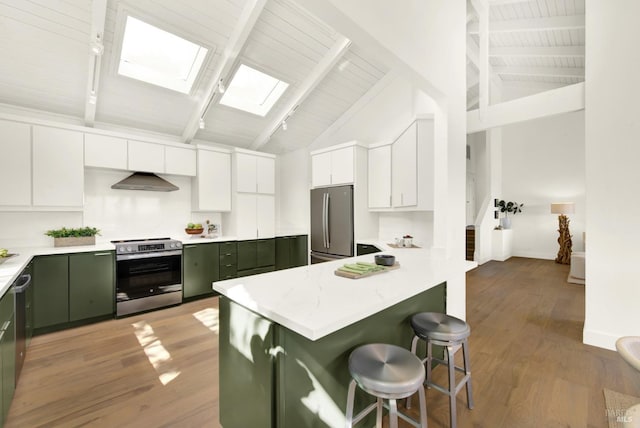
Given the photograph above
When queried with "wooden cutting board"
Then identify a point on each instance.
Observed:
(363, 275)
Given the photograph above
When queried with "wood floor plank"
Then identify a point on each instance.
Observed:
(529, 365)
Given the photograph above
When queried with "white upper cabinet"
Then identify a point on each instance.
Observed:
(145, 157)
(103, 151)
(246, 173)
(379, 168)
(404, 168)
(332, 167)
(266, 175)
(401, 175)
(15, 163)
(180, 161)
(255, 216)
(254, 173)
(58, 167)
(211, 188)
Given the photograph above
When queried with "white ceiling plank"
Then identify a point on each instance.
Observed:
(571, 22)
(549, 103)
(494, 3)
(473, 52)
(474, 81)
(339, 48)
(484, 68)
(538, 51)
(98, 16)
(237, 40)
(540, 71)
(355, 108)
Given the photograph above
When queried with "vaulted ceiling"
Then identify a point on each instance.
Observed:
(53, 68)
(531, 42)
(49, 64)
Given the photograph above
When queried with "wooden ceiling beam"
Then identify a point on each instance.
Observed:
(570, 22)
(319, 72)
(96, 49)
(538, 51)
(235, 44)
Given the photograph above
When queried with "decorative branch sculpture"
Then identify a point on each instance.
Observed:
(564, 253)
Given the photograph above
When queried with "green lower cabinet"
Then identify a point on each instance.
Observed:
(91, 285)
(201, 268)
(305, 384)
(51, 290)
(256, 256)
(291, 251)
(7, 353)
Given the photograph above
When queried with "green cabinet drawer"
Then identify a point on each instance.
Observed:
(91, 285)
(51, 290)
(228, 248)
(228, 271)
(228, 258)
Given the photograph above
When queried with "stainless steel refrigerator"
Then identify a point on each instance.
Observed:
(331, 223)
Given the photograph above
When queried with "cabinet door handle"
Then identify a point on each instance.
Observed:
(102, 254)
(189, 246)
(228, 265)
(227, 254)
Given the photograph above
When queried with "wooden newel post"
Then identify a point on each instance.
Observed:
(564, 240)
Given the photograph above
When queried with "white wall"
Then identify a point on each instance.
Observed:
(612, 153)
(543, 162)
(119, 214)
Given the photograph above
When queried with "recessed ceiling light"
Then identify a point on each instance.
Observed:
(253, 91)
(159, 57)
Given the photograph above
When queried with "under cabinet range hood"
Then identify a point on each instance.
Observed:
(145, 181)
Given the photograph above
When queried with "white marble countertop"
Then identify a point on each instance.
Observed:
(314, 302)
(11, 268)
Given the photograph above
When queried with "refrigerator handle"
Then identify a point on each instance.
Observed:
(328, 235)
(324, 220)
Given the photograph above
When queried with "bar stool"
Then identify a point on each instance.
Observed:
(386, 372)
(440, 329)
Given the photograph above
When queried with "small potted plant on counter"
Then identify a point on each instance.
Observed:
(64, 237)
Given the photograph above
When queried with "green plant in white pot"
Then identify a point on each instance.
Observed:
(508, 208)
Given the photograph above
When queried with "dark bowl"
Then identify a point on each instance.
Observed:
(385, 259)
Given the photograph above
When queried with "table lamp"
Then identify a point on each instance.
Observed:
(563, 208)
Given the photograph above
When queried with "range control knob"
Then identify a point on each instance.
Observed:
(129, 249)
(172, 245)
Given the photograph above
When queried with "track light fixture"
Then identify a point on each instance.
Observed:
(284, 125)
(201, 123)
(221, 87)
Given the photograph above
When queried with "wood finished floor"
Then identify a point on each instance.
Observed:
(530, 368)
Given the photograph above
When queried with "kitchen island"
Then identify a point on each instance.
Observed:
(285, 337)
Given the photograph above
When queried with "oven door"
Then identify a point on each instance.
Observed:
(150, 274)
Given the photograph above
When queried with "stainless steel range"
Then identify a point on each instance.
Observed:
(149, 274)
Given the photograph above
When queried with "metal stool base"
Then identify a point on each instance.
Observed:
(392, 407)
(452, 391)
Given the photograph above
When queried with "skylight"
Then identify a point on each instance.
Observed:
(253, 91)
(158, 57)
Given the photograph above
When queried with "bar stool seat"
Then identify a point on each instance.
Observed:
(452, 333)
(386, 372)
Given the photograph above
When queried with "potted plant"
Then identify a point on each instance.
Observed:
(64, 237)
(506, 208)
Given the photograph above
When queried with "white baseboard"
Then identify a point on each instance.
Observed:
(534, 255)
(599, 339)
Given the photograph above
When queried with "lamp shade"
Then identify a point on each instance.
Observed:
(563, 208)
